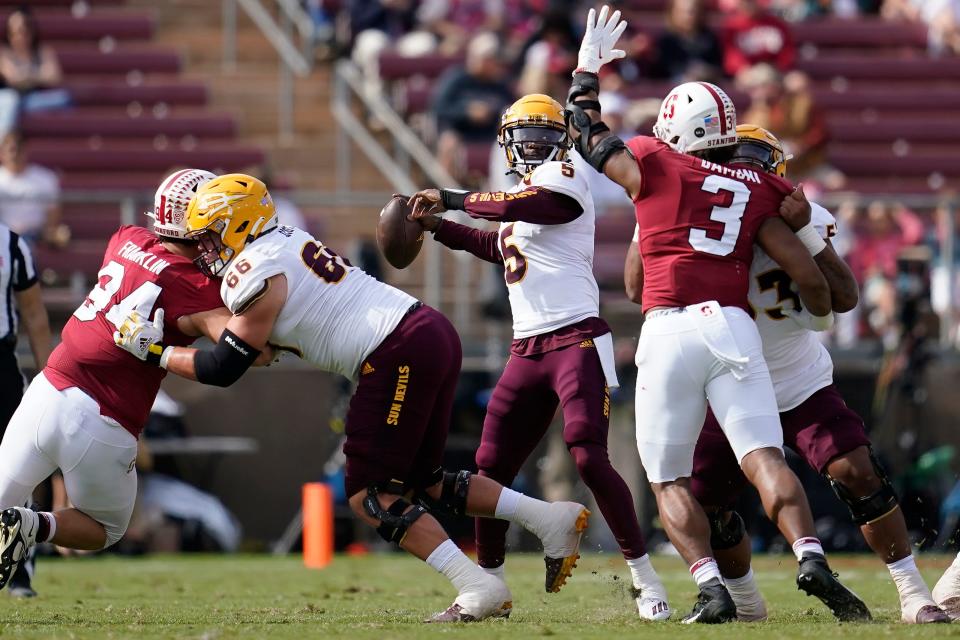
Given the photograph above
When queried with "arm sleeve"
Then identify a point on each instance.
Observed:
(482, 244)
(534, 204)
(24, 273)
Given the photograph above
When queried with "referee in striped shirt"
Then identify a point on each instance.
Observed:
(21, 303)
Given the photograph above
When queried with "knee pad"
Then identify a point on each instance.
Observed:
(866, 509)
(395, 519)
(453, 493)
(726, 535)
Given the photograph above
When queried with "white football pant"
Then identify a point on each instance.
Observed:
(687, 357)
(64, 430)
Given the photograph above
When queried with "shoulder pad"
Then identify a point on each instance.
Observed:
(246, 279)
(561, 177)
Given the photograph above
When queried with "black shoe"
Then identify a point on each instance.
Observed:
(815, 578)
(20, 582)
(714, 605)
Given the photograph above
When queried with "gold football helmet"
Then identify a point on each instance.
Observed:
(759, 147)
(532, 132)
(228, 213)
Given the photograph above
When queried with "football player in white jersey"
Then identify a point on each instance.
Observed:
(282, 284)
(817, 424)
(562, 352)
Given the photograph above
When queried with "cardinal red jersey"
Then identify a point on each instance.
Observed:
(138, 274)
(698, 221)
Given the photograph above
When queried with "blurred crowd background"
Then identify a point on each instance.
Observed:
(339, 103)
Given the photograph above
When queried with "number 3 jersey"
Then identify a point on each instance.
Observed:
(335, 314)
(698, 222)
(140, 274)
(799, 364)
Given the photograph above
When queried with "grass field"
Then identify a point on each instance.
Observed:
(386, 596)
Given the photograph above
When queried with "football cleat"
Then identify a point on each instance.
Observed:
(754, 611)
(18, 533)
(714, 605)
(20, 582)
(946, 592)
(815, 578)
(925, 614)
(652, 607)
(491, 600)
(561, 545)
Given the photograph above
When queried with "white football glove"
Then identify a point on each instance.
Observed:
(599, 39)
(136, 335)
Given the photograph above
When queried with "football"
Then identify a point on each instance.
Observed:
(400, 239)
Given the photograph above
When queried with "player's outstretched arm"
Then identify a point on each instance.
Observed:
(786, 249)
(534, 204)
(593, 139)
(844, 291)
(460, 237)
(633, 271)
(211, 324)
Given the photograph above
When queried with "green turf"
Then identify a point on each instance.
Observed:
(386, 596)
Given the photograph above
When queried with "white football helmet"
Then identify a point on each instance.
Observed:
(696, 116)
(172, 198)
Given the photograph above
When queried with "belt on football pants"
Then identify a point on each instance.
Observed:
(664, 312)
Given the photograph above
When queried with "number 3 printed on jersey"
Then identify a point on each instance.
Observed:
(730, 217)
(100, 297)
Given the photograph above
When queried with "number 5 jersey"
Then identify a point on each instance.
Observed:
(335, 314)
(140, 274)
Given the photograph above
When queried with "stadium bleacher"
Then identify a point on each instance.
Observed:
(133, 119)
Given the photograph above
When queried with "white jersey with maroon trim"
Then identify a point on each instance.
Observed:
(335, 314)
(549, 267)
(799, 364)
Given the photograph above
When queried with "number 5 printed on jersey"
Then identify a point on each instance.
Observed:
(514, 262)
(730, 217)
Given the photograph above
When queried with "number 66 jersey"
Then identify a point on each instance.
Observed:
(335, 314)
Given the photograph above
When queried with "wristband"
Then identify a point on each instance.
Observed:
(811, 239)
(821, 323)
(165, 357)
(454, 199)
(155, 353)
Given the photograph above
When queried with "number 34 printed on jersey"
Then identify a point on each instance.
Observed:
(109, 278)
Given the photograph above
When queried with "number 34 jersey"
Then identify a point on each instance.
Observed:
(140, 274)
(799, 363)
(698, 222)
(335, 314)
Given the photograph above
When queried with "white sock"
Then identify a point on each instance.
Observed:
(449, 560)
(807, 545)
(705, 569)
(744, 588)
(529, 513)
(645, 578)
(906, 576)
(499, 572)
(507, 504)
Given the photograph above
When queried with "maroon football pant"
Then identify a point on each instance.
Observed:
(520, 412)
(819, 429)
(399, 417)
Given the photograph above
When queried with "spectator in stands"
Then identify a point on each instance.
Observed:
(689, 49)
(29, 196)
(888, 229)
(377, 25)
(30, 71)
(454, 21)
(752, 36)
(468, 102)
(941, 16)
(785, 104)
(550, 57)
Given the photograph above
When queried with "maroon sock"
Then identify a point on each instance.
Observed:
(612, 496)
(43, 529)
(491, 542)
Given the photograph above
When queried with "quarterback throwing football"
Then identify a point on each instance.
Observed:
(562, 352)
